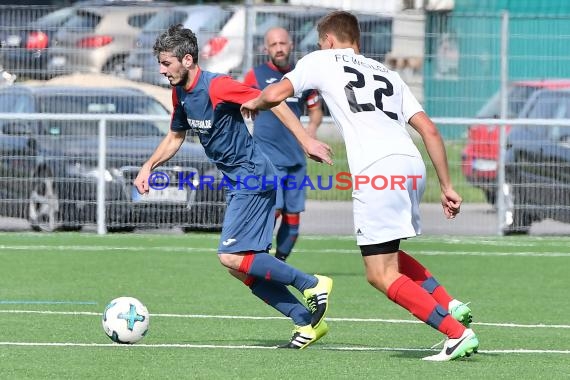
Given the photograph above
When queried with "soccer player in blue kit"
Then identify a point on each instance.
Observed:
(209, 104)
(278, 143)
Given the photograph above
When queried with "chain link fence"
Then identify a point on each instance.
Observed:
(474, 73)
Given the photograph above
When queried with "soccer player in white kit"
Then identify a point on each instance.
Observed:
(371, 105)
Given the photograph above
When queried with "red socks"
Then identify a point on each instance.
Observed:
(420, 303)
(420, 275)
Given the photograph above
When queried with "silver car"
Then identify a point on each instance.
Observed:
(226, 51)
(97, 39)
(204, 20)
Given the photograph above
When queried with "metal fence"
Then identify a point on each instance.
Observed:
(512, 173)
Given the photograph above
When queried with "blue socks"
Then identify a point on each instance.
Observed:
(269, 268)
(281, 299)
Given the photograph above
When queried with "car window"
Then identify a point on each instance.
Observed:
(139, 21)
(79, 128)
(550, 105)
(211, 20)
(61, 103)
(101, 104)
(15, 103)
(517, 98)
(82, 20)
(53, 19)
(162, 20)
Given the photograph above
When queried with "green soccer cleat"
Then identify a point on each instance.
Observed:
(303, 336)
(465, 345)
(318, 299)
(461, 312)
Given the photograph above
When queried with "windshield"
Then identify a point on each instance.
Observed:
(517, 97)
(550, 105)
(102, 104)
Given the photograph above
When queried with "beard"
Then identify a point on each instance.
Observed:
(182, 79)
(281, 62)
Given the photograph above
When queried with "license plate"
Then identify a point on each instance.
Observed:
(135, 73)
(484, 165)
(58, 61)
(13, 40)
(170, 194)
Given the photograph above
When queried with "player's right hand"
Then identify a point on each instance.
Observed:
(141, 182)
(318, 151)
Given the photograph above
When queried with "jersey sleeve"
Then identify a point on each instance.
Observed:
(226, 89)
(303, 76)
(410, 105)
(179, 121)
(250, 80)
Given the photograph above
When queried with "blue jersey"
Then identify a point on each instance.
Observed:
(211, 108)
(275, 139)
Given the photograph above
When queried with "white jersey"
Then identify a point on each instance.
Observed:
(369, 103)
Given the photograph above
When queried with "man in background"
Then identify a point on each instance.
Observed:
(278, 143)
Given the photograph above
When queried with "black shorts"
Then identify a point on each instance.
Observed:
(380, 249)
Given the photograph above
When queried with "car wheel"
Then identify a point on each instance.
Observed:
(44, 207)
(516, 220)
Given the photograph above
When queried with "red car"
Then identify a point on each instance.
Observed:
(481, 153)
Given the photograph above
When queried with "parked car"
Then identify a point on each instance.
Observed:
(48, 168)
(204, 20)
(25, 51)
(481, 152)
(225, 52)
(537, 167)
(98, 38)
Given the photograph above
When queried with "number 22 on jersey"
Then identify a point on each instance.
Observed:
(360, 82)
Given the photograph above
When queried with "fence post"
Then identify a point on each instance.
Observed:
(501, 207)
(102, 147)
(247, 61)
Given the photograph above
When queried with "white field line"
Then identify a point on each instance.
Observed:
(241, 347)
(246, 317)
(32, 249)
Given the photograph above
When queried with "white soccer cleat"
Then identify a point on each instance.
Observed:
(465, 345)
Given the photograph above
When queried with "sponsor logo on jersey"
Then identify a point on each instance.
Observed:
(200, 124)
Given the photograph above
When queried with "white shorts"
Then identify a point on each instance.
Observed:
(387, 207)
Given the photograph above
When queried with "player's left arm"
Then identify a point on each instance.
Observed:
(450, 200)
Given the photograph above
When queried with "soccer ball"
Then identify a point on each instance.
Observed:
(125, 320)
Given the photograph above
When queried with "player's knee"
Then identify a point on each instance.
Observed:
(377, 280)
(229, 261)
(374, 279)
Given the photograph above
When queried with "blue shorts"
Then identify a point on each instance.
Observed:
(248, 222)
(290, 197)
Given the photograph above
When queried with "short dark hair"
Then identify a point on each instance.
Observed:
(342, 24)
(178, 41)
